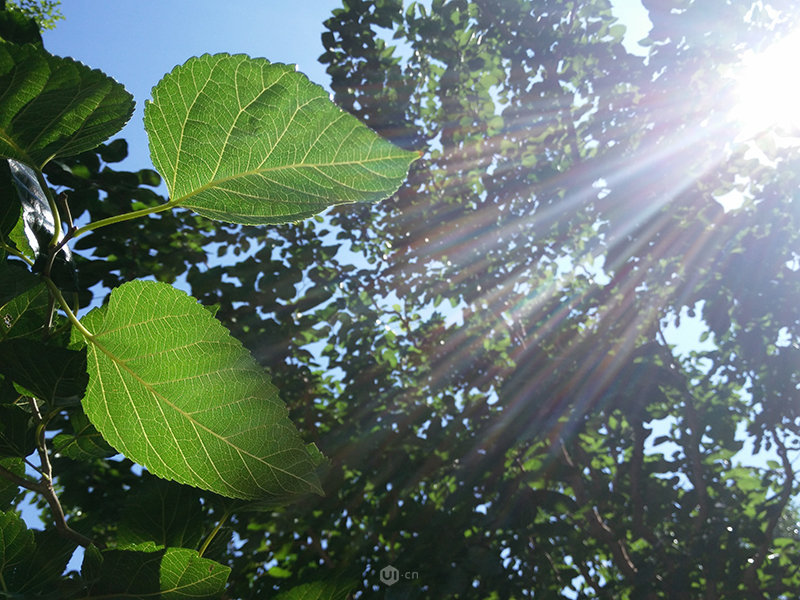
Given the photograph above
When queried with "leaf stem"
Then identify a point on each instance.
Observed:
(23, 482)
(66, 308)
(125, 217)
(15, 252)
(214, 533)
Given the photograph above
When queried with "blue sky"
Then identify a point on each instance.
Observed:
(138, 41)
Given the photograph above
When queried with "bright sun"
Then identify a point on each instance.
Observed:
(768, 88)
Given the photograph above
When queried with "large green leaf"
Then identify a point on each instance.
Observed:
(171, 389)
(247, 141)
(52, 106)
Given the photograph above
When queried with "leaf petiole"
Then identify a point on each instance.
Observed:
(213, 533)
(15, 252)
(126, 217)
(66, 308)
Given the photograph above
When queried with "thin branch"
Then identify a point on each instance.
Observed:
(750, 575)
(23, 482)
(45, 486)
(598, 527)
(67, 310)
(692, 448)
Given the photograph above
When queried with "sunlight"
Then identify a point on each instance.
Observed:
(767, 89)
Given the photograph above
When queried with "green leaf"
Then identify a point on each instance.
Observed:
(319, 590)
(10, 492)
(171, 389)
(16, 543)
(247, 141)
(15, 279)
(25, 314)
(184, 574)
(174, 573)
(9, 207)
(84, 443)
(17, 436)
(163, 512)
(39, 575)
(52, 106)
(53, 374)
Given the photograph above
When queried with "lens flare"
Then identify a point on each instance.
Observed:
(768, 89)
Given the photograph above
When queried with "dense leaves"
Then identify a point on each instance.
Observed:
(150, 374)
(552, 364)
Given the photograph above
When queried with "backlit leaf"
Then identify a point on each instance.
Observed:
(247, 141)
(52, 106)
(171, 389)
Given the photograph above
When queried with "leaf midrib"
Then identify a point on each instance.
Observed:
(260, 171)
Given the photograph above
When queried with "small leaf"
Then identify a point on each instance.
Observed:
(52, 106)
(10, 491)
(319, 590)
(172, 573)
(39, 227)
(171, 389)
(17, 436)
(16, 543)
(247, 141)
(184, 574)
(25, 314)
(84, 443)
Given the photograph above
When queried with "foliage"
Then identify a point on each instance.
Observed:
(45, 13)
(151, 374)
(489, 358)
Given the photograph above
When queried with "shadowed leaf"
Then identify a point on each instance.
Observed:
(52, 106)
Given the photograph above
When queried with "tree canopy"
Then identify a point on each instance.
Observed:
(543, 367)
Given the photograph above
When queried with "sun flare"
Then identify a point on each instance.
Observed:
(768, 89)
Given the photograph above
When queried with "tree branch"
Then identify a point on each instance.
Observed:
(750, 575)
(45, 485)
(597, 525)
